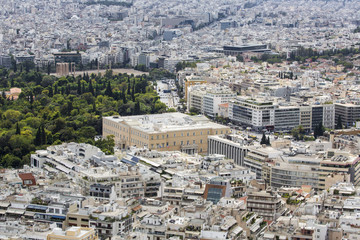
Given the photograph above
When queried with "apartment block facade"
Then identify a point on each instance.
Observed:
(348, 112)
(264, 114)
(266, 204)
(207, 98)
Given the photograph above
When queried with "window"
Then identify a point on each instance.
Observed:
(182, 142)
(214, 195)
(157, 137)
(193, 141)
(188, 134)
(193, 133)
(174, 143)
(200, 140)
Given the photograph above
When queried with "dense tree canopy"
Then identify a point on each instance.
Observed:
(52, 110)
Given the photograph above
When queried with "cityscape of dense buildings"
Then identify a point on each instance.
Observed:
(154, 120)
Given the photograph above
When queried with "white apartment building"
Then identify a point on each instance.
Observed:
(67, 157)
(256, 113)
(265, 114)
(329, 115)
(195, 98)
(127, 183)
(206, 98)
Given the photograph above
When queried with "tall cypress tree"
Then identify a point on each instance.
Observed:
(124, 97)
(37, 140)
(108, 90)
(94, 107)
(83, 88)
(263, 139)
(69, 107)
(133, 92)
(43, 135)
(79, 86)
(91, 88)
(129, 86)
(17, 129)
(51, 92)
(137, 108)
(67, 89)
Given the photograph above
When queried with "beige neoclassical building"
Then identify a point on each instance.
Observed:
(163, 132)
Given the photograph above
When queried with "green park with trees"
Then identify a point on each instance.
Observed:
(51, 110)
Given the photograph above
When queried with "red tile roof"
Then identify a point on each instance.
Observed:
(27, 176)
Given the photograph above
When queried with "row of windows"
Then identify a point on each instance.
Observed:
(140, 134)
(116, 125)
(75, 219)
(134, 141)
(159, 145)
(56, 210)
(182, 135)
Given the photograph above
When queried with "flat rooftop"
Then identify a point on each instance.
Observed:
(166, 122)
